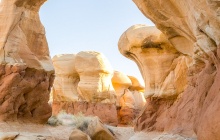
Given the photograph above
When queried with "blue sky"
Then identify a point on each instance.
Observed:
(74, 25)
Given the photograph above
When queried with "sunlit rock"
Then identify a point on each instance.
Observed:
(66, 78)
(192, 27)
(162, 66)
(120, 82)
(95, 74)
(26, 70)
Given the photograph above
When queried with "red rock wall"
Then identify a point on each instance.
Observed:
(193, 27)
(106, 112)
(24, 93)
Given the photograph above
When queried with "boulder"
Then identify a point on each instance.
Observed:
(78, 135)
(26, 70)
(97, 131)
(9, 135)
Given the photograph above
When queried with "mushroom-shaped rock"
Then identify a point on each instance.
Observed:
(95, 74)
(156, 58)
(192, 26)
(136, 85)
(120, 82)
(140, 100)
(26, 70)
(66, 78)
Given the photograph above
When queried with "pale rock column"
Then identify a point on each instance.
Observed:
(66, 78)
(95, 74)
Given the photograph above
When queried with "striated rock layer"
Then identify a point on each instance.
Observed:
(162, 66)
(193, 28)
(26, 71)
(83, 84)
(66, 78)
(95, 74)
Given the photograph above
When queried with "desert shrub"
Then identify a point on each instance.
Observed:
(53, 121)
(79, 120)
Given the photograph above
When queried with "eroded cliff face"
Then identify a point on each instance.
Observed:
(193, 28)
(26, 69)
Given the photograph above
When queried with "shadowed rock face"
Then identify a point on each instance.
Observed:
(193, 28)
(26, 73)
(158, 61)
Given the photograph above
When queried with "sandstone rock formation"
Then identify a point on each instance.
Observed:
(66, 79)
(193, 28)
(136, 85)
(137, 89)
(83, 84)
(26, 70)
(130, 99)
(120, 82)
(161, 65)
(95, 77)
(140, 100)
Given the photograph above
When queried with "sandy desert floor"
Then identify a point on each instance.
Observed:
(121, 133)
(33, 132)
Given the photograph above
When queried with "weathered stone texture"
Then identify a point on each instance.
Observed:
(193, 28)
(26, 69)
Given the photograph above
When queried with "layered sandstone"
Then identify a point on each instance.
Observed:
(162, 66)
(26, 69)
(66, 79)
(83, 84)
(192, 27)
(95, 74)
